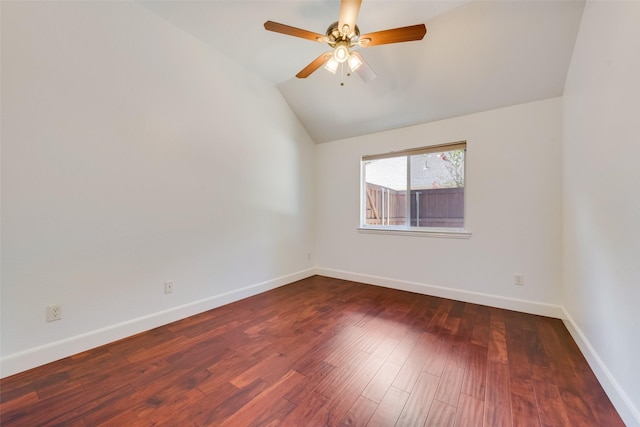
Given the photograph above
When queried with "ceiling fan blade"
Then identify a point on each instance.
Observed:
(314, 65)
(396, 35)
(295, 32)
(365, 72)
(348, 14)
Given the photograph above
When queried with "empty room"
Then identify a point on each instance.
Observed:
(320, 213)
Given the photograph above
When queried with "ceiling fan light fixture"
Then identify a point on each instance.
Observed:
(354, 62)
(331, 65)
(341, 52)
(344, 34)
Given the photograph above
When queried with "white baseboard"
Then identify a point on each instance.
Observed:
(531, 307)
(626, 408)
(38, 356)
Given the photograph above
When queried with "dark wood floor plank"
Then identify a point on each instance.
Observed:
(212, 406)
(450, 384)
(161, 350)
(136, 374)
(416, 410)
(155, 399)
(377, 388)
(359, 414)
(451, 325)
(550, 407)
(519, 361)
(274, 415)
(228, 399)
(441, 414)
(457, 353)
(323, 352)
(497, 408)
(314, 376)
(26, 385)
(467, 322)
(439, 349)
(480, 335)
(222, 372)
(440, 316)
(523, 400)
(404, 347)
(389, 409)
(470, 411)
(474, 382)
(263, 403)
(413, 365)
(129, 417)
(171, 406)
(481, 324)
(338, 376)
(524, 411)
(344, 394)
(68, 411)
(18, 405)
(266, 365)
(497, 337)
(345, 344)
(305, 409)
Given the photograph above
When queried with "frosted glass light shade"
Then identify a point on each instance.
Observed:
(354, 62)
(341, 53)
(331, 65)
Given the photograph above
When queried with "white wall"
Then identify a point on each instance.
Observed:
(601, 205)
(513, 189)
(134, 154)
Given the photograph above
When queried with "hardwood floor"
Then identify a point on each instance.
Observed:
(323, 352)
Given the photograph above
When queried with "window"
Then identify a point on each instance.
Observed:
(420, 189)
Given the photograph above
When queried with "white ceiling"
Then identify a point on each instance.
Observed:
(477, 55)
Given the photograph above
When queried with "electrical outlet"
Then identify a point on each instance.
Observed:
(54, 312)
(168, 287)
(309, 256)
(518, 280)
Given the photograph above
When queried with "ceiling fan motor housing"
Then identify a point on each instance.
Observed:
(335, 35)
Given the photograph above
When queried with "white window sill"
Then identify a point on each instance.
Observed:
(419, 232)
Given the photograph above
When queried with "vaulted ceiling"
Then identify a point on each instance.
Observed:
(477, 55)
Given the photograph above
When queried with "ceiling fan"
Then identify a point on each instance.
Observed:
(343, 35)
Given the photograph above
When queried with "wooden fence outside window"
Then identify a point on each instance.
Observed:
(434, 207)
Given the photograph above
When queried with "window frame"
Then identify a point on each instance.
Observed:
(407, 228)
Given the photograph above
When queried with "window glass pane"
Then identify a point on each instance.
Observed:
(437, 189)
(385, 191)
